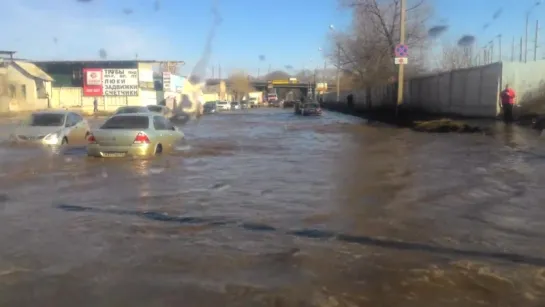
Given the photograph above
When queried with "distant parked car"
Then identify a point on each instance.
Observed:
(223, 106)
(244, 105)
(235, 105)
(276, 103)
(297, 107)
(253, 102)
(289, 104)
(210, 107)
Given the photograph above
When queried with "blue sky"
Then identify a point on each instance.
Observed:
(287, 32)
(469, 17)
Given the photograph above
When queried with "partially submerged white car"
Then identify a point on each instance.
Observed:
(52, 128)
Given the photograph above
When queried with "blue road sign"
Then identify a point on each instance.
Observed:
(401, 51)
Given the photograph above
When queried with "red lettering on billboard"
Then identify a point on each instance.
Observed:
(92, 82)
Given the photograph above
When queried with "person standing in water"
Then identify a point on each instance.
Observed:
(95, 105)
(507, 97)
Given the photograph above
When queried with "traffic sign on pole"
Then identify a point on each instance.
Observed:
(401, 51)
(401, 60)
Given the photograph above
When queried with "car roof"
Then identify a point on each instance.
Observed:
(143, 114)
(60, 112)
(124, 107)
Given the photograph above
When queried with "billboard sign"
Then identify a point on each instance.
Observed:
(166, 81)
(120, 82)
(110, 82)
(173, 83)
(92, 82)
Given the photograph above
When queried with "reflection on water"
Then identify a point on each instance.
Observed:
(263, 208)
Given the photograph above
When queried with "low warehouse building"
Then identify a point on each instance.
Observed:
(112, 83)
(23, 85)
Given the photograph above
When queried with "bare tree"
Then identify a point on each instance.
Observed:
(240, 85)
(277, 75)
(367, 51)
(453, 57)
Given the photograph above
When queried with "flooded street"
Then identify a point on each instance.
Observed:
(265, 208)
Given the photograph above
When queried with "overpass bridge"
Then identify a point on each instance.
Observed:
(261, 85)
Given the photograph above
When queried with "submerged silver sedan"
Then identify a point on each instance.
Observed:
(52, 128)
(133, 134)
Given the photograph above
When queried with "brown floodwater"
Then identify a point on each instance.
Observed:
(264, 208)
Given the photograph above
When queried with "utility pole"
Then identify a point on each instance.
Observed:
(513, 50)
(521, 54)
(315, 92)
(491, 51)
(535, 40)
(323, 77)
(338, 72)
(526, 38)
(402, 42)
(499, 47)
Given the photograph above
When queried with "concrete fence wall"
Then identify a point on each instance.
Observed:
(467, 92)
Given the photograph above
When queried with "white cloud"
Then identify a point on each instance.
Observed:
(78, 31)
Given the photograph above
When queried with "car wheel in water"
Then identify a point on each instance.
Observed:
(159, 149)
(64, 141)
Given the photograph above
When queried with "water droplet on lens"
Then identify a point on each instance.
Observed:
(156, 170)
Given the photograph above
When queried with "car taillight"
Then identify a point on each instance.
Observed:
(141, 138)
(91, 139)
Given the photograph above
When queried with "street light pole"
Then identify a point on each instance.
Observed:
(536, 39)
(526, 38)
(338, 72)
(401, 41)
(538, 2)
(499, 46)
(513, 50)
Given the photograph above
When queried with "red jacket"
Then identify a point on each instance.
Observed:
(508, 96)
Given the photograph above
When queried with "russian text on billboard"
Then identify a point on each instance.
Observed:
(120, 82)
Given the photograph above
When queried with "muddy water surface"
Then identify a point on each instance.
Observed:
(263, 208)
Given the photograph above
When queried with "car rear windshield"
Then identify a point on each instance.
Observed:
(157, 109)
(47, 120)
(126, 122)
(131, 110)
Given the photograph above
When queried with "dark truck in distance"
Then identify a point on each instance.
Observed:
(289, 104)
(210, 107)
(311, 108)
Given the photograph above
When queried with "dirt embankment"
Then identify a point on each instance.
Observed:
(412, 119)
